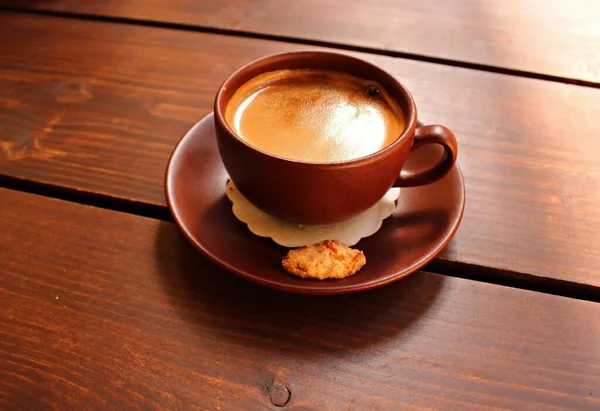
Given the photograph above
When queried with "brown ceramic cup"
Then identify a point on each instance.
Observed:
(322, 193)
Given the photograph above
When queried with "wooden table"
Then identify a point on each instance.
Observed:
(104, 305)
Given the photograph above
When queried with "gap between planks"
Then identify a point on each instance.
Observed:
(307, 42)
(523, 281)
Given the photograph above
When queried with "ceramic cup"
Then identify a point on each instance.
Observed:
(324, 193)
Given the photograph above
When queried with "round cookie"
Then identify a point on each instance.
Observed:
(325, 260)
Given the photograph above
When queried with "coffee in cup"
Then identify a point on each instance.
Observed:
(273, 127)
(312, 115)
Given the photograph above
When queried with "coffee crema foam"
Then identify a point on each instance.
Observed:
(316, 116)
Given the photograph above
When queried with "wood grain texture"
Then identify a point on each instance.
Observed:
(99, 107)
(114, 311)
(550, 37)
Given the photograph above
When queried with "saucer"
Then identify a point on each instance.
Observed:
(423, 223)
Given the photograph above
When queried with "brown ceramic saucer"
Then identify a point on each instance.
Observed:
(425, 220)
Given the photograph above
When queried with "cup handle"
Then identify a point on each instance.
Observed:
(433, 134)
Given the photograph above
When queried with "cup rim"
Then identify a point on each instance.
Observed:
(411, 118)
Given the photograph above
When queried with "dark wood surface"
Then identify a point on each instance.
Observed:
(100, 309)
(551, 37)
(109, 310)
(98, 107)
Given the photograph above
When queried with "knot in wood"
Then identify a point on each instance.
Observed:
(280, 394)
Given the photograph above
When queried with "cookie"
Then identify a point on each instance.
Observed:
(324, 260)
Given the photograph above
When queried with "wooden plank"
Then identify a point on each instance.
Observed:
(550, 37)
(98, 108)
(99, 307)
